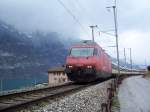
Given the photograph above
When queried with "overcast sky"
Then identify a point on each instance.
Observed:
(50, 15)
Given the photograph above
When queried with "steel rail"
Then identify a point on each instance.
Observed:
(12, 102)
(32, 90)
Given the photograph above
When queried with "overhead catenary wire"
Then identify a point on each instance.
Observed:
(73, 16)
(86, 12)
(80, 5)
(77, 20)
(105, 32)
(75, 8)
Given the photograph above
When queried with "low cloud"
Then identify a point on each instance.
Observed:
(50, 15)
(139, 42)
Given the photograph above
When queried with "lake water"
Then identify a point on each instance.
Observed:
(10, 84)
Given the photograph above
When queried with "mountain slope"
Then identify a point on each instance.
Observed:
(22, 55)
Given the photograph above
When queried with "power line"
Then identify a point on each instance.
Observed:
(76, 8)
(79, 8)
(79, 4)
(105, 32)
(83, 9)
(73, 16)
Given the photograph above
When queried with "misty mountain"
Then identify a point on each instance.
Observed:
(31, 54)
(28, 55)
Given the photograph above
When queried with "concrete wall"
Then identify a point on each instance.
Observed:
(57, 77)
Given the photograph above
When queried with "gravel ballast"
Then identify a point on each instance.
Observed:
(87, 100)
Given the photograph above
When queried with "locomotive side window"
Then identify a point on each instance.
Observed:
(69, 52)
(95, 52)
(77, 52)
(99, 52)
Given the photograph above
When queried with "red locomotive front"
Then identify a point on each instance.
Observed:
(85, 62)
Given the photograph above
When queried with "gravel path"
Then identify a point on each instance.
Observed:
(88, 100)
(134, 95)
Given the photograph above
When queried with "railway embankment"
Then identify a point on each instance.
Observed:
(90, 99)
(132, 94)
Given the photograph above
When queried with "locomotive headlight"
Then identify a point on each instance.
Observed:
(89, 66)
(70, 66)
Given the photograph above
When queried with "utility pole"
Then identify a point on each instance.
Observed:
(116, 35)
(130, 59)
(125, 56)
(92, 27)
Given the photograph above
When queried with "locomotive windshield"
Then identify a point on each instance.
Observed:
(83, 52)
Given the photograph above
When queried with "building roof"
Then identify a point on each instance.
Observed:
(56, 69)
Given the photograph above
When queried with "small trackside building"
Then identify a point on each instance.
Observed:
(57, 75)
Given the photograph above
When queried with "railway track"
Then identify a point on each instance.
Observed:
(11, 102)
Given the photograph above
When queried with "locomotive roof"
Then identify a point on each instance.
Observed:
(86, 42)
(90, 43)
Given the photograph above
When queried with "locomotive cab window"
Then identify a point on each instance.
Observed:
(83, 52)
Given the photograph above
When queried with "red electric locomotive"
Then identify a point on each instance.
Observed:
(87, 62)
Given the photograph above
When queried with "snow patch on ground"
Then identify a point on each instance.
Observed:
(5, 54)
(134, 95)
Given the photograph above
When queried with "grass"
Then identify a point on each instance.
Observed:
(115, 104)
